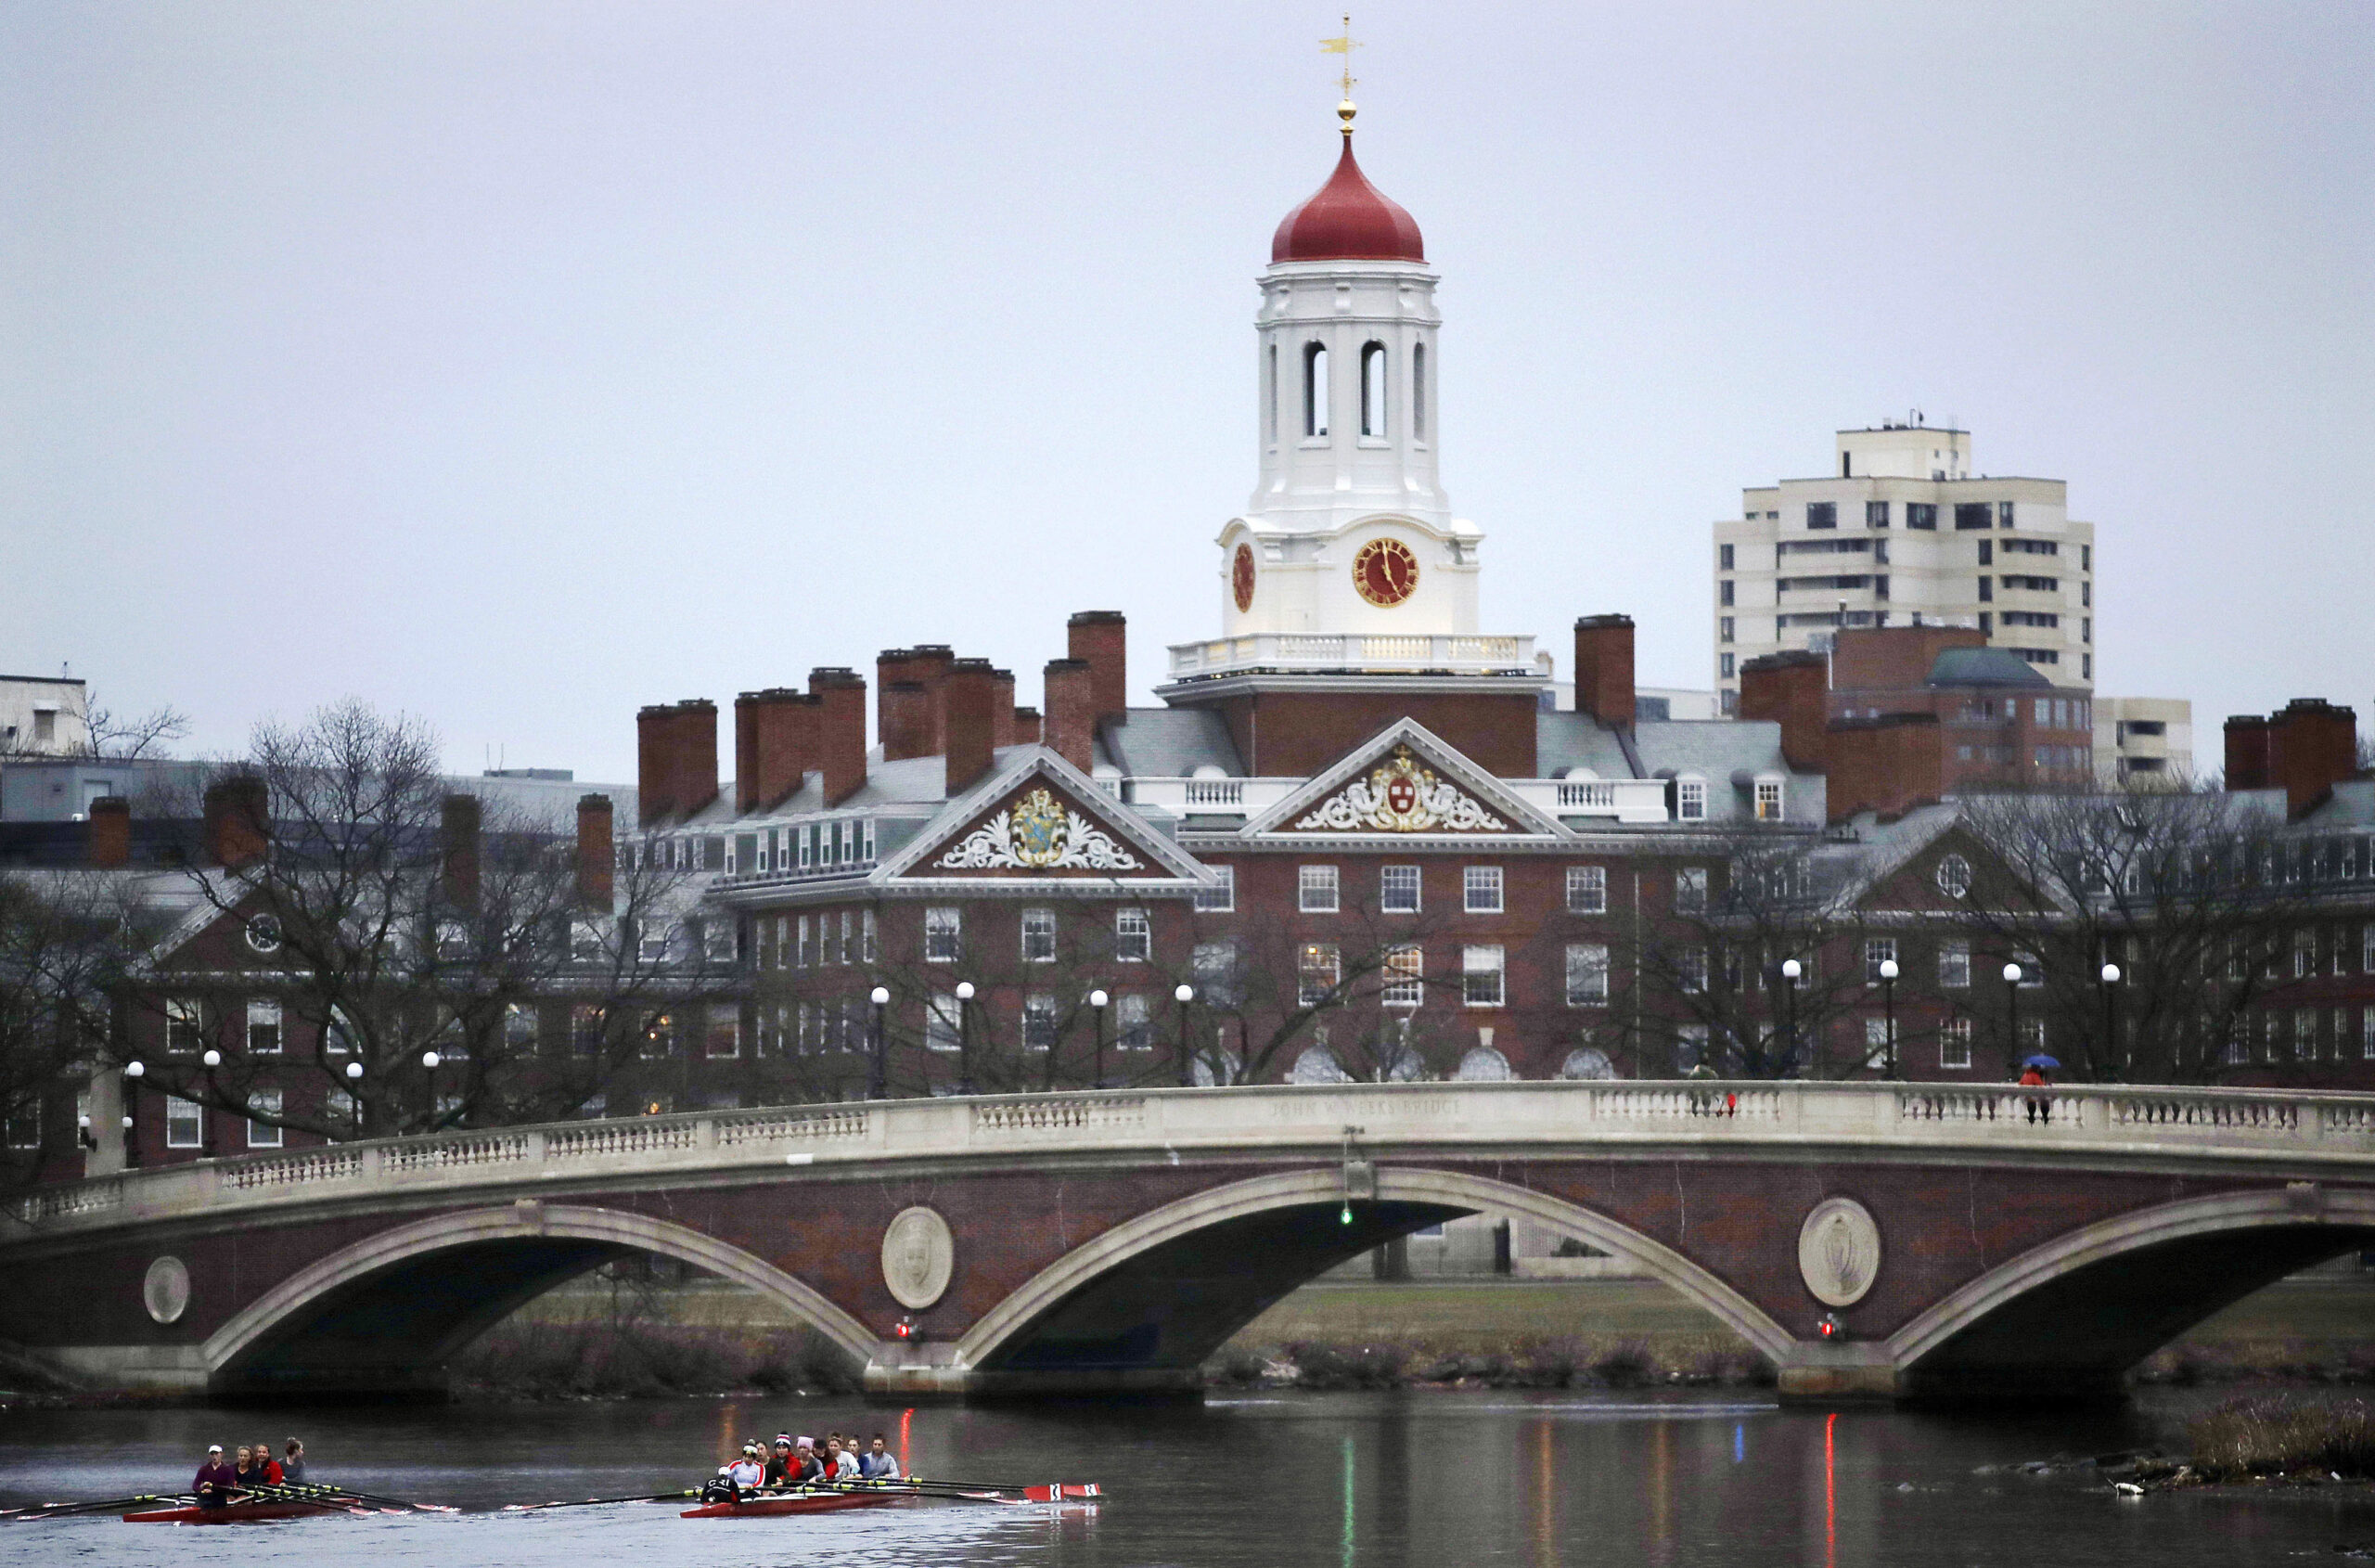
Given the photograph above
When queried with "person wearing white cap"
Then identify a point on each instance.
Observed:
(216, 1481)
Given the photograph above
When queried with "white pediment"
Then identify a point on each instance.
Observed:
(1040, 818)
(1406, 782)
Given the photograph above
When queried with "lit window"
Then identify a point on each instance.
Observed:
(1398, 890)
(1405, 978)
(1481, 970)
(1315, 889)
(1768, 800)
(1133, 937)
(1481, 890)
(1587, 890)
(1220, 896)
(943, 938)
(1317, 967)
(263, 1134)
(184, 1028)
(263, 1028)
(1586, 974)
(1038, 936)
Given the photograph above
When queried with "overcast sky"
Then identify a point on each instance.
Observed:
(516, 365)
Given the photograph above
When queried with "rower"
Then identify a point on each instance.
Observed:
(292, 1468)
(267, 1469)
(216, 1481)
(879, 1463)
(779, 1464)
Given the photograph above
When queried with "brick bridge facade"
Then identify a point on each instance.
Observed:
(1873, 1239)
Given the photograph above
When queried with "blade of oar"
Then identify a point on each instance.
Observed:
(328, 1491)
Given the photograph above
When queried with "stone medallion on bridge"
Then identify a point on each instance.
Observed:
(919, 1256)
(165, 1290)
(1839, 1252)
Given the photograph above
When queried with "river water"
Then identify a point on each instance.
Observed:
(1431, 1480)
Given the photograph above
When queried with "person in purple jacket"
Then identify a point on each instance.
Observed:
(216, 1481)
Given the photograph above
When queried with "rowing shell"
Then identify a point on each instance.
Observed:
(810, 1503)
(237, 1514)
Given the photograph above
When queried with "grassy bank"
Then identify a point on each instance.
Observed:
(2284, 1434)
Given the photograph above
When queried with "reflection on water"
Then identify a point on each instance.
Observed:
(1430, 1481)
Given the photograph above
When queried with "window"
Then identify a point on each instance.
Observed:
(586, 1027)
(654, 1044)
(1822, 514)
(1724, 593)
(185, 1123)
(2304, 1035)
(2032, 971)
(944, 934)
(1768, 797)
(1876, 514)
(1953, 876)
(1954, 1045)
(807, 951)
(1317, 969)
(1986, 590)
(1877, 950)
(1690, 800)
(263, 1135)
(1481, 890)
(520, 1027)
(1586, 974)
(2366, 950)
(1723, 557)
(723, 1040)
(1418, 391)
(1921, 514)
(184, 1028)
(2305, 954)
(1038, 936)
(1315, 889)
(1587, 891)
(2003, 514)
(1133, 937)
(1216, 975)
(1220, 896)
(1986, 552)
(717, 940)
(942, 1030)
(2367, 1034)
(263, 1028)
(1133, 1021)
(1270, 399)
(1480, 976)
(1877, 1045)
(1039, 1022)
(1315, 389)
(1690, 890)
(1690, 968)
(1373, 389)
(1405, 978)
(871, 949)
(1954, 965)
(1973, 514)
(24, 1123)
(1725, 630)
(1398, 889)
(654, 940)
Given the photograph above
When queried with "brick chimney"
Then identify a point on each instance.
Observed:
(2251, 762)
(693, 762)
(2313, 745)
(1026, 726)
(971, 717)
(596, 850)
(1886, 765)
(109, 845)
(238, 822)
(774, 740)
(1001, 708)
(458, 820)
(906, 720)
(1604, 669)
(1100, 637)
(928, 662)
(1791, 688)
(1069, 728)
(655, 780)
(840, 693)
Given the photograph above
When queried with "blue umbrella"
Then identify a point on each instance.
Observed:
(2041, 1061)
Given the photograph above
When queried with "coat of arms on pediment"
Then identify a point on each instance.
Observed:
(1038, 832)
(1401, 795)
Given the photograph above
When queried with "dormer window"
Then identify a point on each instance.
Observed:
(1690, 800)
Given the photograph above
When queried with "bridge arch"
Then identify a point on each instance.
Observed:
(1274, 1232)
(2068, 1317)
(384, 1314)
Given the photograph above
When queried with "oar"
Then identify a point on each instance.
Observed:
(599, 1502)
(977, 1490)
(326, 1492)
(55, 1511)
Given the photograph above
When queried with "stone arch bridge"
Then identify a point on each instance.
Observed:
(1873, 1239)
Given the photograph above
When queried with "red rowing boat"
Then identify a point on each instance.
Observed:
(799, 1502)
(237, 1513)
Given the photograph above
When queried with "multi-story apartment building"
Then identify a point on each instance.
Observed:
(1903, 534)
(2144, 740)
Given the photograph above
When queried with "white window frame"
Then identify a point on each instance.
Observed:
(1877, 951)
(1953, 1046)
(264, 1013)
(1587, 890)
(725, 1025)
(1954, 966)
(1038, 935)
(1133, 1022)
(1770, 798)
(185, 1014)
(1588, 975)
(1220, 897)
(1039, 1021)
(1133, 935)
(1690, 890)
(1482, 890)
(943, 934)
(943, 1032)
(1399, 889)
(1691, 799)
(264, 1135)
(185, 1123)
(1314, 959)
(1317, 890)
(1483, 975)
(1403, 977)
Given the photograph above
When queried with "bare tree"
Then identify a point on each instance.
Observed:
(64, 941)
(130, 736)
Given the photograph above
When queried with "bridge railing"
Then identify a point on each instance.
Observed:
(1957, 1121)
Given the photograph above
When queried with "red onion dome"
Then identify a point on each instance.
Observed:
(1348, 220)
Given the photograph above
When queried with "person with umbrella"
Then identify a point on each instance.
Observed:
(2032, 1076)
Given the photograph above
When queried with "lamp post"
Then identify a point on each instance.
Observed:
(964, 1037)
(211, 1060)
(1889, 972)
(1098, 1001)
(2110, 1015)
(133, 1072)
(354, 1093)
(430, 1060)
(1790, 969)
(1184, 995)
(879, 1086)
(2012, 1010)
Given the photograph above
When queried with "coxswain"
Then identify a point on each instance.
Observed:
(879, 1463)
(216, 1481)
(747, 1474)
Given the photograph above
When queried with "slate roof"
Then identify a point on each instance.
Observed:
(1170, 743)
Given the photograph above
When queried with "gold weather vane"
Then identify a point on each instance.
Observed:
(1343, 43)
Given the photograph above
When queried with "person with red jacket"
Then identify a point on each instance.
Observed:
(266, 1469)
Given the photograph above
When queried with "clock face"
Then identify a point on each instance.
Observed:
(1385, 572)
(1241, 578)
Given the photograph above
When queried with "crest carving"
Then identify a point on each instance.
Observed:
(1038, 833)
(1839, 1252)
(1402, 796)
(919, 1256)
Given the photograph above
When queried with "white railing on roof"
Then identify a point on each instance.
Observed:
(1619, 800)
(1379, 654)
(1233, 796)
